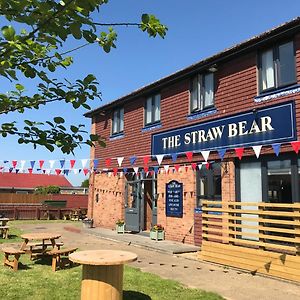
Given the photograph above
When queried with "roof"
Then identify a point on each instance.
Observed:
(276, 32)
(31, 181)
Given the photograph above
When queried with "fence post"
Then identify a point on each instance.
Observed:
(15, 213)
(297, 230)
(37, 217)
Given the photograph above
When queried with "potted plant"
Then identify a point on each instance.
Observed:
(120, 226)
(157, 233)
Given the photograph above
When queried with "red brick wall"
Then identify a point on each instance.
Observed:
(236, 87)
(73, 201)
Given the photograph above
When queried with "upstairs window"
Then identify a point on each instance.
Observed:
(118, 121)
(202, 92)
(277, 67)
(152, 110)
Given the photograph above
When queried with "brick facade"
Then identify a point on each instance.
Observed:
(236, 86)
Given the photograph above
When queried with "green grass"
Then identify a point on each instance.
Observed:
(35, 280)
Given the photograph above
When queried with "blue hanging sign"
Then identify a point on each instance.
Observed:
(174, 199)
(275, 124)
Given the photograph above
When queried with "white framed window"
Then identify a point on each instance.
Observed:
(277, 67)
(118, 121)
(202, 92)
(152, 110)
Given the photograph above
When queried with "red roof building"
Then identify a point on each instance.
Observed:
(12, 182)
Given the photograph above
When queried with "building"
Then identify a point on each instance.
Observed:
(26, 183)
(193, 150)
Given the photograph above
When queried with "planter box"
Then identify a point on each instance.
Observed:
(157, 235)
(120, 228)
(87, 223)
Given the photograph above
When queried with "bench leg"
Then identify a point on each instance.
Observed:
(54, 262)
(16, 262)
(6, 233)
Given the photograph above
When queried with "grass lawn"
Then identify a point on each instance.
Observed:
(35, 280)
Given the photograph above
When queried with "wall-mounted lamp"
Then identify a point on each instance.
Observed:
(213, 68)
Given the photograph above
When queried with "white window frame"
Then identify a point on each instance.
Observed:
(117, 121)
(202, 96)
(152, 110)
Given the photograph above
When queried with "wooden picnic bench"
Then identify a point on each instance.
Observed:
(4, 231)
(60, 257)
(10, 251)
(36, 249)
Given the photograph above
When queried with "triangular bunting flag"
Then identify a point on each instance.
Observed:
(194, 166)
(120, 160)
(96, 162)
(155, 169)
(276, 148)
(66, 172)
(62, 163)
(186, 168)
(57, 171)
(72, 163)
(32, 162)
(177, 168)
(108, 162)
(41, 163)
(132, 160)
(146, 169)
(205, 154)
(10, 170)
(296, 146)
(160, 158)
(17, 171)
(207, 165)
(23, 164)
(51, 163)
(257, 150)
(14, 163)
(239, 152)
(84, 162)
(125, 170)
(75, 171)
(30, 170)
(146, 159)
(115, 170)
(85, 171)
(166, 167)
(221, 153)
(136, 170)
(174, 157)
(189, 155)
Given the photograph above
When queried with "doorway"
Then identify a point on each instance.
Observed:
(140, 202)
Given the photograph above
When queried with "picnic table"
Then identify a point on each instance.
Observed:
(4, 227)
(102, 273)
(39, 236)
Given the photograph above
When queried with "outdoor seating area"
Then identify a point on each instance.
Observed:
(39, 245)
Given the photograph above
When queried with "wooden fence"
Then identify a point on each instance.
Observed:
(259, 237)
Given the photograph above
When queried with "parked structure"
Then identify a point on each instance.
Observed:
(209, 152)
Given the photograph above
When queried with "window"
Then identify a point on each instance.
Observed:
(209, 184)
(152, 110)
(277, 67)
(202, 92)
(118, 121)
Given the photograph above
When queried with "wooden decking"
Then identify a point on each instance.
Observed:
(259, 237)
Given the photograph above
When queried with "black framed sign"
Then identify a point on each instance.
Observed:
(174, 199)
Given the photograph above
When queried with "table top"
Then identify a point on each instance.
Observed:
(40, 236)
(4, 219)
(102, 257)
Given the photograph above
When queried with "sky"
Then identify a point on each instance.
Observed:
(197, 29)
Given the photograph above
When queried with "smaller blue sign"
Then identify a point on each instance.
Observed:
(174, 199)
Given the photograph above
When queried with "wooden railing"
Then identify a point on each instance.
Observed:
(267, 226)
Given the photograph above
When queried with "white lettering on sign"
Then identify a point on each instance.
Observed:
(234, 129)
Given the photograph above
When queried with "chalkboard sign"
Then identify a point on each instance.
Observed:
(174, 199)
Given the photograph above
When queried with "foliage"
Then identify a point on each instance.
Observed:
(35, 51)
(157, 227)
(45, 190)
(120, 222)
(85, 183)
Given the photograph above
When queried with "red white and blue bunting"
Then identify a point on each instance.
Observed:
(88, 166)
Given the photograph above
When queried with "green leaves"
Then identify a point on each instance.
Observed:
(75, 30)
(152, 26)
(8, 32)
(59, 120)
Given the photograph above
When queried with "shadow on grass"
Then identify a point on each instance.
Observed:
(133, 295)
(23, 266)
(47, 260)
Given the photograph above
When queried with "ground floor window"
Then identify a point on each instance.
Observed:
(209, 183)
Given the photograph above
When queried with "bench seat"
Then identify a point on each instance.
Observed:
(10, 251)
(60, 257)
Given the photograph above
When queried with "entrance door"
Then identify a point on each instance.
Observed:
(133, 205)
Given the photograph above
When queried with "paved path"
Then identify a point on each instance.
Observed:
(229, 283)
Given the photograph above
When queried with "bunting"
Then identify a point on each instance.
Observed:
(205, 154)
(239, 152)
(296, 146)
(276, 148)
(159, 158)
(120, 160)
(257, 150)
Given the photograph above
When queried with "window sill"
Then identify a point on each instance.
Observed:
(151, 127)
(116, 136)
(293, 89)
(201, 114)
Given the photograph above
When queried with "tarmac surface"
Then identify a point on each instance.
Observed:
(158, 257)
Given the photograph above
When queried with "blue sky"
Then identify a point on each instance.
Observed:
(197, 29)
